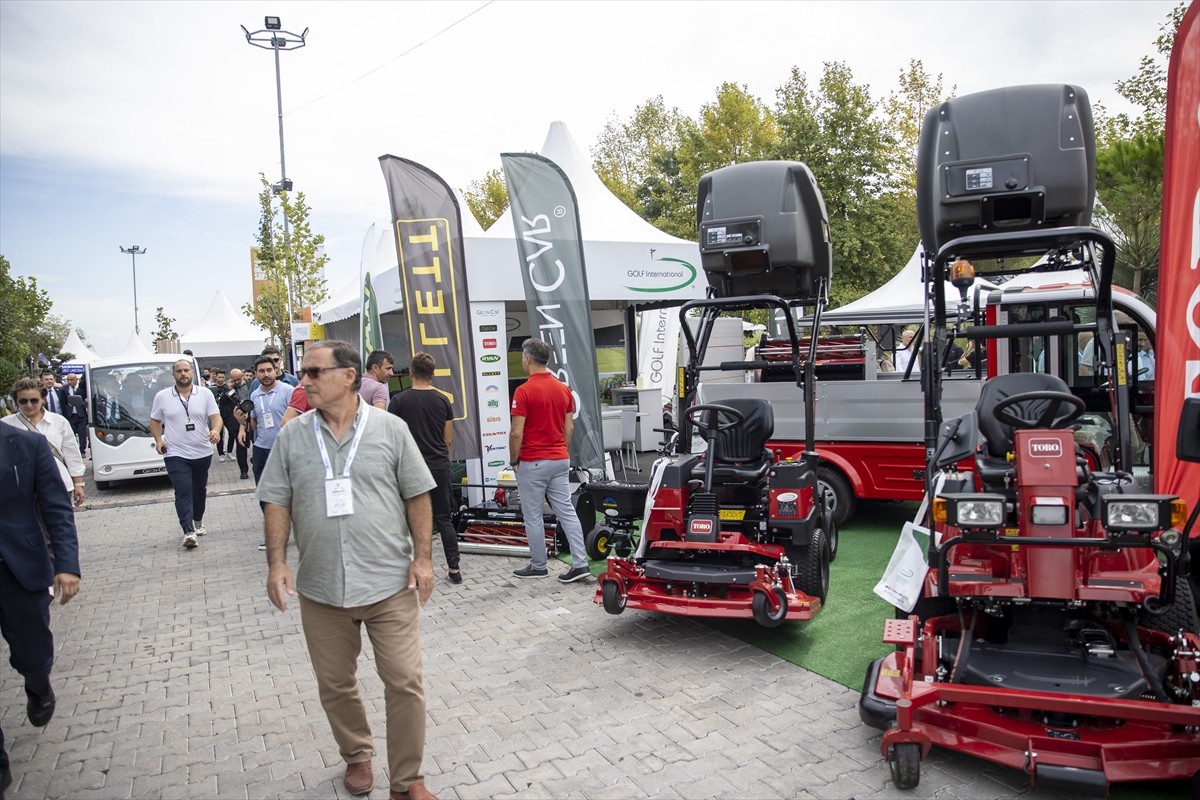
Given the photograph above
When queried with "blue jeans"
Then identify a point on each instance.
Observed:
(538, 480)
(189, 477)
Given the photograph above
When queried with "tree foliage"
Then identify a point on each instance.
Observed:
(487, 198)
(24, 309)
(166, 328)
(292, 263)
(624, 152)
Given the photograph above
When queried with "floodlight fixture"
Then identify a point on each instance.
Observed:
(272, 23)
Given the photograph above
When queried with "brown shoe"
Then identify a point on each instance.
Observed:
(415, 791)
(360, 778)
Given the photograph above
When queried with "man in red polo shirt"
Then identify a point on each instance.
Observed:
(541, 433)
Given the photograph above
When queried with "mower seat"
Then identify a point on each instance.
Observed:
(739, 454)
(995, 470)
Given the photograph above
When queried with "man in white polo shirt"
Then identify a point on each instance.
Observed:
(192, 424)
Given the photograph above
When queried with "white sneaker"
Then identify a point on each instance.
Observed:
(189, 540)
(200, 530)
(221, 457)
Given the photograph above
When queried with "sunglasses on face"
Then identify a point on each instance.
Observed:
(29, 401)
(312, 373)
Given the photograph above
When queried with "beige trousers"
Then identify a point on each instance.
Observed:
(334, 642)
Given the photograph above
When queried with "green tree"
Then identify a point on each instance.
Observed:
(625, 151)
(291, 266)
(166, 328)
(837, 131)
(48, 339)
(487, 198)
(23, 310)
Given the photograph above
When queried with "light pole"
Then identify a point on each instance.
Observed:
(273, 37)
(134, 251)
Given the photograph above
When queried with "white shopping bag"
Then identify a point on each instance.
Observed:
(904, 577)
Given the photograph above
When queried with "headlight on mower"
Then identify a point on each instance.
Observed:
(973, 511)
(1143, 513)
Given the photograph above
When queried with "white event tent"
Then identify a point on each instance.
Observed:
(223, 334)
(135, 346)
(80, 354)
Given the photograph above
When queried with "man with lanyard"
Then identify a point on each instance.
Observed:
(361, 512)
(270, 401)
(185, 425)
(272, 352)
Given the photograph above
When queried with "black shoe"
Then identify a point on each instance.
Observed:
(530, 571)
(455, 576)
(40, 709)
(575, 574)
(244, 475)
(5, 781)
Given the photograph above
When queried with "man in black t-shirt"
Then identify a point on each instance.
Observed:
(431, 421)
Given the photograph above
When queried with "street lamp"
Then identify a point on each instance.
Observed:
(134, 251)
(273, 37)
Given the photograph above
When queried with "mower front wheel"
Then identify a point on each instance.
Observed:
(811, 568)
(614, 601)
(904, 760)
(761, 606)
(598, 542)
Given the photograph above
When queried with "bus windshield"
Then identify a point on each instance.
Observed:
(122, 394)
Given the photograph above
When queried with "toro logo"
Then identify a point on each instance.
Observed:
(489, 344)
(1045, 448)
(700, 526)
(490, 358)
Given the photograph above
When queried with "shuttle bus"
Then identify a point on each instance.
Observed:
(121, 393)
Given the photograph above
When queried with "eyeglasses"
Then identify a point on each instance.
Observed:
(29, 401)
(315, 372)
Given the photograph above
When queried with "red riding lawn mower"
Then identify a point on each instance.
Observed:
(735, 531)
(1055, 630)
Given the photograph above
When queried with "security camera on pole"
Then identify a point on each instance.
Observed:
(273, 37)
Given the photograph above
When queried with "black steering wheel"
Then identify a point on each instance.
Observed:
(1049, 417)
(714, 425)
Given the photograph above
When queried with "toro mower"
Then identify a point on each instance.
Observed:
(1054, 630)
(735, 531)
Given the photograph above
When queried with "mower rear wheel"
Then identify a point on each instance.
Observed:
(904, 759)
(598, 543)
(842, 499)
(761, 606)
(811, 568)
(614, 601)
(1181, 615)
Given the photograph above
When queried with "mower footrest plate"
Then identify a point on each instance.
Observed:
(899, 631)
(679, 572)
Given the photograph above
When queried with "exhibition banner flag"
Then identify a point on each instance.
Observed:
(372, 329)
(427, 227)
(546, 217)
(1177, 360)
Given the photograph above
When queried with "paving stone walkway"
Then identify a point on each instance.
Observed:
(177, 679)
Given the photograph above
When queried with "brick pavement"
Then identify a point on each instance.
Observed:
(177, 679)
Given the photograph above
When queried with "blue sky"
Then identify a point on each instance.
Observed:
(147, 123)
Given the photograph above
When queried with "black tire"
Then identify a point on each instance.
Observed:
(614, 601)
(843, 500)
(104, 486)
(598, 543)
(811, 569)
(904, 760)
(761, 607)
(831, 533)
(1181, 614)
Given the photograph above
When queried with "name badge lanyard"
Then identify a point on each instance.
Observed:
(187, 414)
(361, 422)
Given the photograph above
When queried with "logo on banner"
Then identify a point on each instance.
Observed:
(488, 328)
(488, 312)
(490, 358)
(489, 344)
(495, 448)
(493, 404)
(491, 387)
(495, 463)
(494, 419)
(492, 374)
(511, 324)
(1045, 448)
(495, 433)
(678, 277)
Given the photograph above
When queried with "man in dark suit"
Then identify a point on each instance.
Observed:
(76, 415)
(31, 490)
